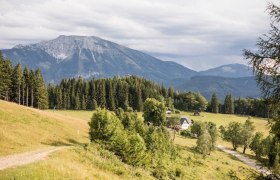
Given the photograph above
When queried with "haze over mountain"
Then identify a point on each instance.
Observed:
(90, 56)
(207, 85)
(230, 70)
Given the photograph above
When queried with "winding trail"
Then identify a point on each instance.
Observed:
(27, 157)
(265, 171)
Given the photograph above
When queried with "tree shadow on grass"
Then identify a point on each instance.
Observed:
(68, 142)
(57, 143)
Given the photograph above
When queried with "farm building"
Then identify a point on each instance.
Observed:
(185, 122)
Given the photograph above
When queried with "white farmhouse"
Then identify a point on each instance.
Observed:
(185, 122)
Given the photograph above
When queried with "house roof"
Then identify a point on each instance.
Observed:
(185, 118)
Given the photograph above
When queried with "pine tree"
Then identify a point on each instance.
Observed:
(214, 104)
(171, 92)
(26, 85)
(5, 78)
(40, 91)
(16, 84)
(229, 104)
(110, 96)
(138, 96)
(32, 86)
(101, 98)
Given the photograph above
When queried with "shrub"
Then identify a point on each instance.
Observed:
(196, 128)
(177, 111)
(136, 153)
(204, 143)
(186, 133)
(103, 125)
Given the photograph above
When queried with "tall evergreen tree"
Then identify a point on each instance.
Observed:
(40, 92)
(229, 105)
(5, 78)
(214, 104)
(110, 96)
(32, 87)
(101, 98)
(16, 84)
(26, 84)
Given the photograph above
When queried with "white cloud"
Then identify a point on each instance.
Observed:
(199, 34)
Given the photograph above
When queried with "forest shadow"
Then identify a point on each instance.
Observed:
(70, 142)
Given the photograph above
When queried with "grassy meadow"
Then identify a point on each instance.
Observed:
(23, 129)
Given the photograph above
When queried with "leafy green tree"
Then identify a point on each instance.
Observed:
(154, 112)
(256, 145)
(233, 134)
(201, 102)
(196, 128)
(136, 153)
(214, 104)
(212, 129)
(103, 125)
(229, 104)
(247, 133)
(204, 142)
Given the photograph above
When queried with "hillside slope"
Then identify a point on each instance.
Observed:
(24, 128)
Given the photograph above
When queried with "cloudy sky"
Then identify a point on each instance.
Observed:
(199, 34)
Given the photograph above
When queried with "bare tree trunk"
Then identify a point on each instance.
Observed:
(244, 149)
(32, 97)
(27, 103)
(19, 94)
(23, 95)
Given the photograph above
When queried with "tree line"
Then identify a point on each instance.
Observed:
(109, 93)
(22, 86)
(241, 106)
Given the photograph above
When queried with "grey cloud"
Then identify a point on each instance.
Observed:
(197, 34)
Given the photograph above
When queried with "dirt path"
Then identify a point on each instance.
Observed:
(26, 158)
(265, 171)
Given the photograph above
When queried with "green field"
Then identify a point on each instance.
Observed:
(24, 129)
(261, 124)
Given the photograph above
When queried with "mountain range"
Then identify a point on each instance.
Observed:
(90, 56)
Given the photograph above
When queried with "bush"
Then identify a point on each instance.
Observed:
(103, 125)
(177, 111)
(196, 128)
(136, 153)
(173, 121)
(204, 143)
(154, 112)
(186, 133)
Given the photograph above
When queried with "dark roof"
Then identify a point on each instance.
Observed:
(185, 118)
